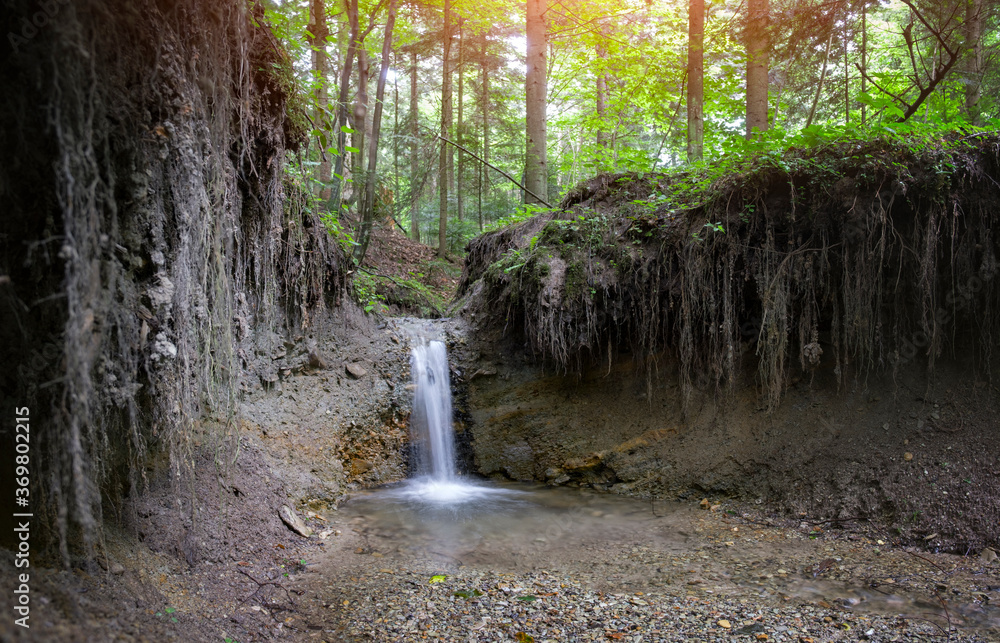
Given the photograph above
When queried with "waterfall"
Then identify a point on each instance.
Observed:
(430, 420)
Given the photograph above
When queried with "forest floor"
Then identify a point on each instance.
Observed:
(406, 276)
(606, 568)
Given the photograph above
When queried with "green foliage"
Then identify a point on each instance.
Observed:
(522, 213)
(367, 292)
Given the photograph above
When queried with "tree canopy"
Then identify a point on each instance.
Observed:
(617, 90)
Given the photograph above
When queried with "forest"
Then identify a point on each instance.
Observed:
(354, 320)
(451, 118)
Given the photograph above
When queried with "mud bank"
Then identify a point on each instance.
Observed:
(817, 334)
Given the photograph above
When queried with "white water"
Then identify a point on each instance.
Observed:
(430, 421)
(433, 435)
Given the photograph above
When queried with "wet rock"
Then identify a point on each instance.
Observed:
(355, 371)
(579, 464)
(293, 521)
(359, 466)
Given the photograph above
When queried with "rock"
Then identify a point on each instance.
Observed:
(552, 472)
(117, 568)
(725, 624)
(293, 521)
(576, 464)
(317, 361)
(355, 371)
(359, 466)
(988, 556)
(908, 456)
(705, 504)
(483, 372)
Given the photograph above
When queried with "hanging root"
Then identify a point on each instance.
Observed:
(859, 257)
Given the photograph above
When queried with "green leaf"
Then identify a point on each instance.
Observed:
(347, 130)
(348, 148)
(465, 593)
(527, 598)
(171, 610)
(438, 578)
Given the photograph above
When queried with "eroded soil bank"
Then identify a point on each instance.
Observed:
(914, 456)
(815, 332)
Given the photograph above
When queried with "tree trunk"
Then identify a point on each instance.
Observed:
(536, 86)
(445, 133)
(973, 67)
(822, 77)
(368, 202)
(320, 65)
(414, 161)
(602, 92)
(460, 210)
(359, 122)
(395, 133)
(696, 78)
(345, 80)
(486, 129)
(758, 46)
(864, 61)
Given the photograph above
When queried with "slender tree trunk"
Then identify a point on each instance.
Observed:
(535, 166)
(345, 80)
(460, 136)
(320, 64)
(395, 131)
(414, 161)
(695, 73)
(486, 129)
(368, 202)
(864, 61)
(758, 46)
(445, 133)
(602, 92)
(822, 77)
(847, 73)
(972, 31)
(359, 121)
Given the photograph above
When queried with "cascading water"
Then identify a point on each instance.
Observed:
(430, 420)
(436, 481)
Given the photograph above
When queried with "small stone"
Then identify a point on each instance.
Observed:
(725, 624)
(316, 360)
(908, 456)
(988, 556)
(705, 504)
(293, 521)
(359, 466)
(355, 371)
(117, 568)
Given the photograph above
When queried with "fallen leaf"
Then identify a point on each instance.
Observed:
(437, 578)
(521, 637)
